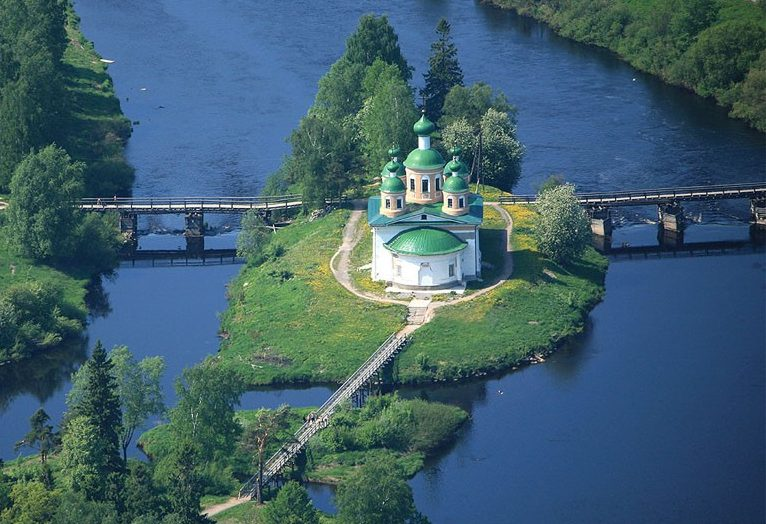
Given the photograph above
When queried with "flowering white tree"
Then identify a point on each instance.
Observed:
(562, 229)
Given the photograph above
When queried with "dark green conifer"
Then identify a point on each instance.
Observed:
(100, 406)
(444, 71)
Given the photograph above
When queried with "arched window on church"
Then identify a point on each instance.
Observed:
(461, 202)
(424, 185)
(412, 184)
(438, 184)
(388, 203)
(399, 203)
(449, 202)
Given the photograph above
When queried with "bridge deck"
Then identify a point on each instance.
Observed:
(179, 205)
(377, 360)
(657, 196)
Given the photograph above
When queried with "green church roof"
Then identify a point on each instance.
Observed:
(424, 159)
(424, 127)
(392, 184)
(392, 167)
(455, 184)
(425, 241)
(462, 171)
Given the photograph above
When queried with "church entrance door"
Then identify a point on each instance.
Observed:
(426, 277)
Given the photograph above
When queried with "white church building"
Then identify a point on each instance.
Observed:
(425, 223)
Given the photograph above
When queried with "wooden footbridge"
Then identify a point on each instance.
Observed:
(184, 205)
(667, 200)
(193, 208)
(319, 419)
(641, 197)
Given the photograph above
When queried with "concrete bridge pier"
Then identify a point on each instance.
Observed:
(671, 216)
(758, 212)
(195, 233)
(670, 238)
(600, 221)
(601, 243)
(129, 231)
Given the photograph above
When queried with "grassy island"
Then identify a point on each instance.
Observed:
(290, 321)
(387, 428)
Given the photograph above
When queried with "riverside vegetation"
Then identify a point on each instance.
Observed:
(53, 90)
(717, 48)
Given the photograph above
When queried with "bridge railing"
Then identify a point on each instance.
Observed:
(756, 189)
(195, 202)
(352, 384)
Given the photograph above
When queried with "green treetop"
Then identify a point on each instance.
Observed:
(444, 71)
(292, 506)
(562, 229)
(375, 38)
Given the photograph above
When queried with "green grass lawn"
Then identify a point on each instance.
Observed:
(290, 321)
(542, 304)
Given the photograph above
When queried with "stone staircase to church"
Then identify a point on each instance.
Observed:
(417, 310)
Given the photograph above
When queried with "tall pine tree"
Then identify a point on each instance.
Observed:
(99, 406)
(443, 71)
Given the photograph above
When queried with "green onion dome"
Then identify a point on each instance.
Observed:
(424, 127)
(455, 151)
(462, 170)
(455, 184)
(394, 152)
(453, 166)
(424, 159)
(392, 184)
(392, 167)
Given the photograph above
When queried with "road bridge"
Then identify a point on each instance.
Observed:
(667, 200)
(355, 385)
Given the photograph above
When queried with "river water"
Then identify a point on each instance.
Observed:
(655, 414)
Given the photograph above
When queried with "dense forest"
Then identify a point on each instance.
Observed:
(717, 48)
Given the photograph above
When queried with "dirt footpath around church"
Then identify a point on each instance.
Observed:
(421, 307)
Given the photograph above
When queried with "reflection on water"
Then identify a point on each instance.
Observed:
(42, 376)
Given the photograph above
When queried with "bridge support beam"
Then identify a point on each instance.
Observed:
(129, 231)
(671, 216)
(600, 221)
(195, 232)
(758, 212)
(670, 238)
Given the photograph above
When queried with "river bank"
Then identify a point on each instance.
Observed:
(95, 132)
(716, 50)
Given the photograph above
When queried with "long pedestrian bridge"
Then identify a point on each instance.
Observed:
(667, 200)
(356, 385)
(639, 197)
